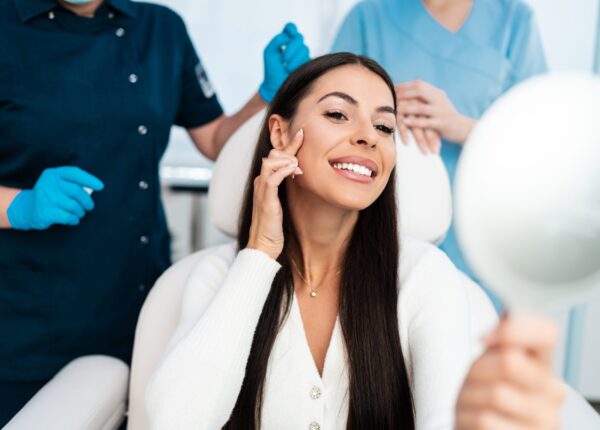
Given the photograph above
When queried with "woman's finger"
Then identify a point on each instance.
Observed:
(503, 398)
(512, 365)
(295, 144)
(536, 335)
(278, 153)
(271, 165)
(476, 419)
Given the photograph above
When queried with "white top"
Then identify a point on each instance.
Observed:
(441, 313)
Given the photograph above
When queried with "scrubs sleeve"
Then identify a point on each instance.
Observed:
(198, 103)
(351, 36)
(447, 315)
(525, 51)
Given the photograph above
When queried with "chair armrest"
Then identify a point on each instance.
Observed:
(90, 393)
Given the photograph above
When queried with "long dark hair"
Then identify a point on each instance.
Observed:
(379, 393)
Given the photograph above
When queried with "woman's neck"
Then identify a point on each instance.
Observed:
(323, 232)
(87, 10)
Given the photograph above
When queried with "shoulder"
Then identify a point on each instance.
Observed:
(366, 10)
(512, 12)
(159, 17)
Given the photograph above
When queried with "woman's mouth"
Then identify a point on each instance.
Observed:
(355, 168)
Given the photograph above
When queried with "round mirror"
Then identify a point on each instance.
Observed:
(527, 193)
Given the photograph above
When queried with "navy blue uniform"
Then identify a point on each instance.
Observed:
(102, 94)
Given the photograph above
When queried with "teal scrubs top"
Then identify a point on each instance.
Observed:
(498, 46)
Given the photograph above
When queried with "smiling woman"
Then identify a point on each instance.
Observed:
(317, 319)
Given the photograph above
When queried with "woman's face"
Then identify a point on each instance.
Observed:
(349, 151)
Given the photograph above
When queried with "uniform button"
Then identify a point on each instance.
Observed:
(51, 15)
(145, 240)
(142, 129)
(142, 288)
(314, 426)
(315, 393)
(111, 15)
(143, 185)
(133, 78)
(120, 32)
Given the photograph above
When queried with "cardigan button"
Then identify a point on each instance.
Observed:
(314, 426)
(315, 393)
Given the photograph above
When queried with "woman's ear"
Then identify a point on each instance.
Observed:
(278, 128)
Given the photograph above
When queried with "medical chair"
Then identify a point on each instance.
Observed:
(91, 392)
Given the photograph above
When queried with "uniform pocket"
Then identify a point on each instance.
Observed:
(25, 329)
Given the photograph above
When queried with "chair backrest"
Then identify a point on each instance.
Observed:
(425, 212)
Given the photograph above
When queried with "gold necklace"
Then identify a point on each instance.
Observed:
(313, 291)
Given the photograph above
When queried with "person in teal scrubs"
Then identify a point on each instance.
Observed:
(450, 60)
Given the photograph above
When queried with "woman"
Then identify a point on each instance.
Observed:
(89, 91)
(450, 60)
(317, 320)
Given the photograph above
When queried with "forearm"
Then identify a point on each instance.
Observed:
(231, 123)
(197, 384)
(7, 195)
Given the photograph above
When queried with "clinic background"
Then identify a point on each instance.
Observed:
(231, 35)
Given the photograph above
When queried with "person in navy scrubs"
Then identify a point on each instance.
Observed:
(89, 91)
(450, 60)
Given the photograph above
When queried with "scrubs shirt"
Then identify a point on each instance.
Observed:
(497, 46)
(99, 93)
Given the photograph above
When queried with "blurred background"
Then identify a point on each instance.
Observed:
(231, 45)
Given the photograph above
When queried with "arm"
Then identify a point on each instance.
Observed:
(284, 53)
(210, 138)
(446, 315)
(7, 195)
(199, 379)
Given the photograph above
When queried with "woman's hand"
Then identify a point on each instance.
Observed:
(266, 230)
(423, 106)
(511, 386)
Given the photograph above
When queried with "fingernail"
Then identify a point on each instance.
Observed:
(298, 171)
(299, 133)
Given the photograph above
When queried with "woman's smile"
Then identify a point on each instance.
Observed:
(355, 168)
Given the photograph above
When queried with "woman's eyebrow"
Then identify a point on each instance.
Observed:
(341, 95)
(352, 101)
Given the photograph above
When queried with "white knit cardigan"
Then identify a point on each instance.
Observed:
(442, 316)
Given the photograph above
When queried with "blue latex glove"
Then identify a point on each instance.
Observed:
(58, 197)
(284, 54)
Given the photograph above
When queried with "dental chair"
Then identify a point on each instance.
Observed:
(91, 392)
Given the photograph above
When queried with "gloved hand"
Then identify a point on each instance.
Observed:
(58, 197)
(284, 54)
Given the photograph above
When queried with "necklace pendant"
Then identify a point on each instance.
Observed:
(313, 293)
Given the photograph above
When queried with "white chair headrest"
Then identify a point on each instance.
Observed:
(423, 189)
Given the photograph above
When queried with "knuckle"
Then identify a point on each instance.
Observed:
(483, 420)
(509, 363)
(498, 395)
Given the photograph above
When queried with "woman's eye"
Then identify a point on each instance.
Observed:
(335, 115)
(385, 129)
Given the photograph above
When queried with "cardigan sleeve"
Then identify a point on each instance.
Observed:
(445, 314)
(198, 380)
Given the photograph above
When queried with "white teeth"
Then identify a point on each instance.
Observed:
(356, 168)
